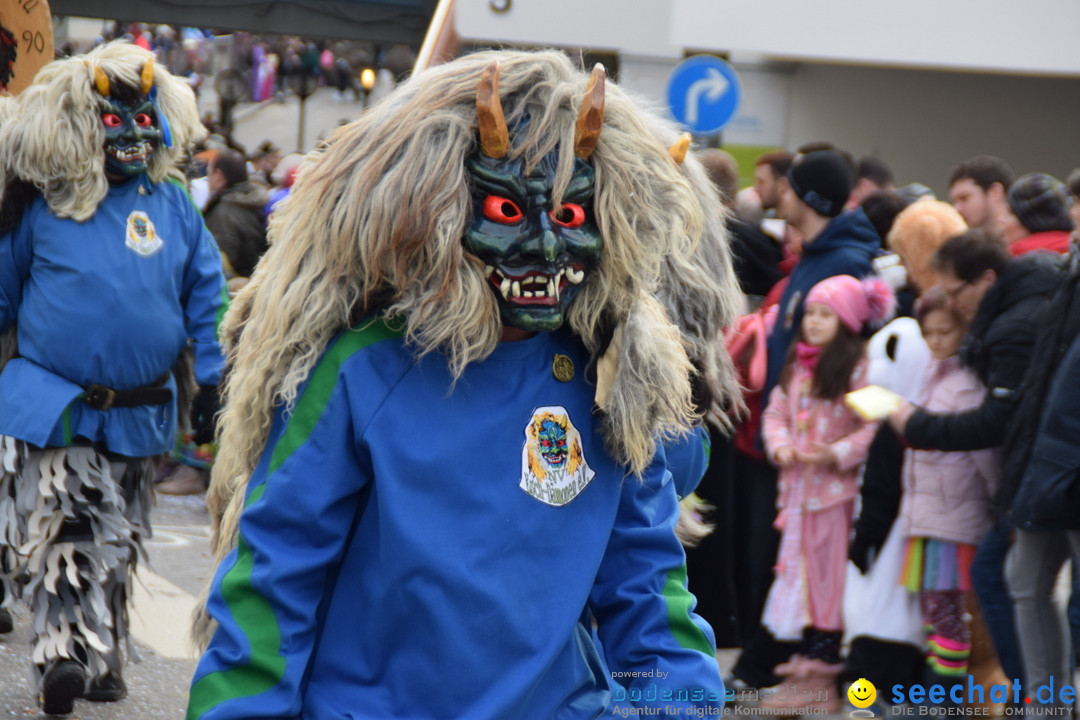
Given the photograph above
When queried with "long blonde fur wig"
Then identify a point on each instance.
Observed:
(701, 295)
(375, 224)
(53, 136)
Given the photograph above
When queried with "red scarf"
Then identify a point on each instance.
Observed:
(807, 355)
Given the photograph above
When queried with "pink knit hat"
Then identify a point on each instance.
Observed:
(856, 302)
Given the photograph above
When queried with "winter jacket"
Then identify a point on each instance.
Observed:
(1044, 410)
(846, 246)
(947, 494)
(1049, 496)
(998, 348)
(237, 220)
(796, 418)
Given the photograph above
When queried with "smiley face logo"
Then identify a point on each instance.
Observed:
(862, 693)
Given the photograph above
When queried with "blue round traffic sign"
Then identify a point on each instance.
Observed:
(703, 93)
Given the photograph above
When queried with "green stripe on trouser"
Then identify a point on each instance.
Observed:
(253, 614)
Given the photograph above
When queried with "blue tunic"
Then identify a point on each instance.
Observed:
(416, 549)
(112, 300)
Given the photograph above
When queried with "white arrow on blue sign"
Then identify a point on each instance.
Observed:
(703, 93)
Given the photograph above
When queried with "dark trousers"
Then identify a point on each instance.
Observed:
(988, 577)
(709, 566)
(756, 543)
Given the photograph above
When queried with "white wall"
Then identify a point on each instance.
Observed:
(1034, 36)
(639, 27)
(924, 122)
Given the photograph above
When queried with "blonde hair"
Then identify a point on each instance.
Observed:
(53, 136)
(700, 293)
(918, 231)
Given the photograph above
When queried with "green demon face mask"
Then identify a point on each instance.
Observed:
(132, 134)
(536, 255)
(134, 128)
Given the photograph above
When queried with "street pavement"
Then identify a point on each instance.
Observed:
(164, 597)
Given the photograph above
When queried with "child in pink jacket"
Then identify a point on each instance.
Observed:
(945, 511)
(819, 445)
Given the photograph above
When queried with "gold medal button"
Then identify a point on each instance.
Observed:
(562, 368)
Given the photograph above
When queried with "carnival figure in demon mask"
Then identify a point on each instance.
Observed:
(451, 381)
(108, 274)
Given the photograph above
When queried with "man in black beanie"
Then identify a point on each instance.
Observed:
(834, 243)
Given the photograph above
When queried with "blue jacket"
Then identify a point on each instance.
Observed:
(687, 459)
(412, 551)
(113, 301)
(846, 246)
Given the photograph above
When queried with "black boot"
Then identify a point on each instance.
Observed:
(61, 684)
(107, 688)
(7, 624)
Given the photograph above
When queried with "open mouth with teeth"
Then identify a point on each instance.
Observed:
(534, 287)
(556, 459)
(137, 153)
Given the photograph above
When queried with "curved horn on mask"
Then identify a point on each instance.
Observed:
(591, 115)
(494, 137)
(147, 76)
(101, 82)
(678, 149)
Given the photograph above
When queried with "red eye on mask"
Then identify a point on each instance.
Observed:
(502, 210)
(570, 216)
(111, 120)
(143, 120)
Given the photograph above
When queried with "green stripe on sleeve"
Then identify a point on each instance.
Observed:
(222, 308)
(258, 623)
(679, 600)
(322, 383)
(253, 613)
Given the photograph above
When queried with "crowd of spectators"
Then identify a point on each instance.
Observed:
(988, 275)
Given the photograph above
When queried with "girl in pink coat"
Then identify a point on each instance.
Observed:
(819, 445)
(945, 511)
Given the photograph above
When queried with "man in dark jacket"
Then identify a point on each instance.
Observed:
(1038, 486)
(834, 243)
(1002, 298)
(235, 214)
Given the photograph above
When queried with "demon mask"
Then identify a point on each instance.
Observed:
(536, 255)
